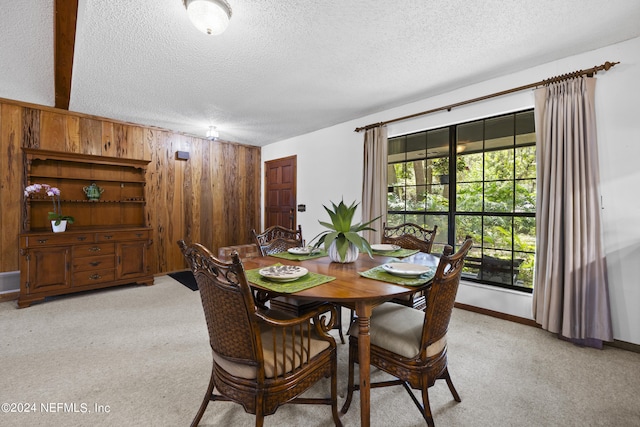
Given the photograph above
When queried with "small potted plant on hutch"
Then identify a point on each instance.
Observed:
(58, 220)
(341, 239)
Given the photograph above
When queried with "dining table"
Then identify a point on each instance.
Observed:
(349, 288)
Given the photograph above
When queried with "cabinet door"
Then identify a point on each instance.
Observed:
(132, 259)
(48, 269)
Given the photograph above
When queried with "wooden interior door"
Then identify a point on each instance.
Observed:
(280, 192)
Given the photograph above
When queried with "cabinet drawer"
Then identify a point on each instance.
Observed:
(82, 278)
(109, 236)
(93, 250)
(57, 239)
(99, 262)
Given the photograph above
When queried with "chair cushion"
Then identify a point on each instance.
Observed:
(292, 361)
(398, 329)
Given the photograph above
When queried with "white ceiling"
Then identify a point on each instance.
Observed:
(285, 68)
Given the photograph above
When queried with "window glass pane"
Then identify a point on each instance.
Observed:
(419, 172)
(438, 142)
(442, 221)
(523, 269)
(498, 196)
(397, 149)
(414, 218)
(470, 137)
(471, 269)
(469, 167)
(524, 234)
(526, 195)
(394, 219)
(497, 232)
(437, 198)
(469, 225)
(498, 132)
(469, 197)
(498, 165)
(526, 162)
(413, 203)
(525, 128)
(497, 267)
(395, 199)
(417, 146)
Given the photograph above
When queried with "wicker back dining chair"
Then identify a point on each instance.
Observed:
(410, 236)
(261, 359)
(277, 239)
(411, 344)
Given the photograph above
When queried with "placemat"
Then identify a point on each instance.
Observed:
(296, 257)
(305, 282)
(400, 253)
(378, 273)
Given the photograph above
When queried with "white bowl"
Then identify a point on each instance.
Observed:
(283, 273)
(404, 269)
(383, 247)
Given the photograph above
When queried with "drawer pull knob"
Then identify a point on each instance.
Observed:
(95, 277)
(138, 234)
(95, 263)
(42, 240)
(94, 249)
(108, 236)
(82, 238)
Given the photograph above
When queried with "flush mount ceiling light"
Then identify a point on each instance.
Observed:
(209, 16)
(212, 133)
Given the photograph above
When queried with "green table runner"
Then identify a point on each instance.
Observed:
(307, 281)
(296, 257)
(400, 253)
(378, 273)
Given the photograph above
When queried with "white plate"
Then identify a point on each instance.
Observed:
(405, 269)
(383, 247)
(283, 273)
(299, 251)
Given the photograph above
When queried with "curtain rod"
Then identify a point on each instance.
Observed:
(590, 71)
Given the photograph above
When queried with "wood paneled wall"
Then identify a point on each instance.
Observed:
(213, 198)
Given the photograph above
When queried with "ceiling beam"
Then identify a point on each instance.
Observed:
(64, 38)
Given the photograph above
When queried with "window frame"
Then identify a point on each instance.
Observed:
(452, 213)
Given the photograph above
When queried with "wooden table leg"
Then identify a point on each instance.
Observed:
(364, 357)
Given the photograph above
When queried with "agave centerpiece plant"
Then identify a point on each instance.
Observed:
(341, 239)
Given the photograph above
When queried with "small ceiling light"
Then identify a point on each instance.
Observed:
(209, 16)
(212, 133)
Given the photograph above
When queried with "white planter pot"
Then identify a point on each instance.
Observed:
(350, 256)
(60, 227)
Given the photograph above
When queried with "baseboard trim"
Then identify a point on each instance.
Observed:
(635, 348)
(9, 296)
(497, 314)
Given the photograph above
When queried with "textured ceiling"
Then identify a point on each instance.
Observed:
(284, 68)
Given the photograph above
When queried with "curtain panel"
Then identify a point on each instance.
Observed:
(570, 295)
(374, 181)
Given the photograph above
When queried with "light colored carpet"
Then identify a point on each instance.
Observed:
(142, 354)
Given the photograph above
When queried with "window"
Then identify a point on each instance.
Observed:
(488, 192)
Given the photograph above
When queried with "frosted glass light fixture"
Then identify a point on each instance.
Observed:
(209, 16)
(212, 133)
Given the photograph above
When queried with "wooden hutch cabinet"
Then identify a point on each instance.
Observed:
(108, 243)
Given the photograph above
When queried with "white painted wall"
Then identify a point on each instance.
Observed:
(330, 167)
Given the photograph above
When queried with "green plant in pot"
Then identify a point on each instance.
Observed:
(341, 239)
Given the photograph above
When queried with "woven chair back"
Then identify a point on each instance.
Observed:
(442, 294)
(277, 239)
(410, 236)
(227, 302)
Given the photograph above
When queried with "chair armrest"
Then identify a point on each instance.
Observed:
(323, 324)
